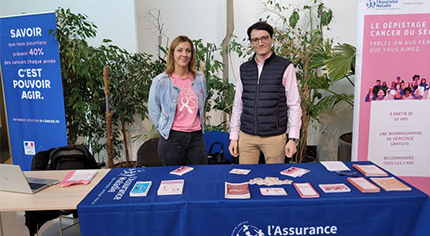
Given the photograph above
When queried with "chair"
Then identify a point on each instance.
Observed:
(147, 155)
(41, 161)
(65, 213)
(211, 137)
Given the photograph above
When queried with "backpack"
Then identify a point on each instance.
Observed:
(71, 157)
(217, 157)
(41, 159)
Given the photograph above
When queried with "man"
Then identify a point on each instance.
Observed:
(377, 87)
(267, 88)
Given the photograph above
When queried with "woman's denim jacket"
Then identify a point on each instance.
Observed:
(163, 97)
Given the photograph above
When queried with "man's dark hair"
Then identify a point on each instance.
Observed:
(261, 25)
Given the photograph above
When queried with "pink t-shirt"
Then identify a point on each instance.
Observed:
(187, 108)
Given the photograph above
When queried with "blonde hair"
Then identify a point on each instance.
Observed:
(170, 59)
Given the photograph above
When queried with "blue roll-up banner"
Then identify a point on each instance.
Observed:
(31, 76)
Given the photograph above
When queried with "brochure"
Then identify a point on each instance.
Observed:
(182, 170)
(391, 184)
(306, 190)
(171, 187)
(370, 170)
(334, 188)
(140, 189)
(294, 172)
(237, 191)
(364, 185)
(78, 177)
(335, 166)
(273, 192)
(239, 171)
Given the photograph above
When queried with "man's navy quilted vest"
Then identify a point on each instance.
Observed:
(264, 102)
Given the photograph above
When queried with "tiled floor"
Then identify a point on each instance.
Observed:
(13, 225)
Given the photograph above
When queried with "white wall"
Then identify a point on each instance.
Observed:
(124, 22)
(115, 19)
(194, 18)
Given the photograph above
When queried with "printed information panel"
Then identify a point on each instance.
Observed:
(392, 96)
(399, 139)
(31, 72)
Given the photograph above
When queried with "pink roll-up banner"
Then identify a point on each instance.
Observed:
(392, 102)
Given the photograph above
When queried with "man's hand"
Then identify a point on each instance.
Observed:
(290, 148)
(233, 148)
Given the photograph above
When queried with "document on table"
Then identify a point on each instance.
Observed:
(335, 166)
(364, 185)
(273, 192)
(78, 177)
(306, 190)
(83, 175)
(239, 171)
(370, 170)
(181, 170)
(140, 189)
(334, 188)
(391, 184)
(237, 190)
(294, 172)
(171, 187)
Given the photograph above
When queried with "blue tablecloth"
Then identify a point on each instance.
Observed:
(202, 209)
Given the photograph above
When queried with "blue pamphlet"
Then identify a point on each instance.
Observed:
(140, 189)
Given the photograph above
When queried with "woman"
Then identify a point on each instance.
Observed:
(423, 83)
(402, 87)
(398, 96)
(370, 96)
(176, 106)
(408, 94)
(417, 94)
(416, 82)
(423, 86)
(384, 87)
(380, 96)
(397, 83)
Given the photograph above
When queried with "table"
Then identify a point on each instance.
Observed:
(51, 198)
(203, 210)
